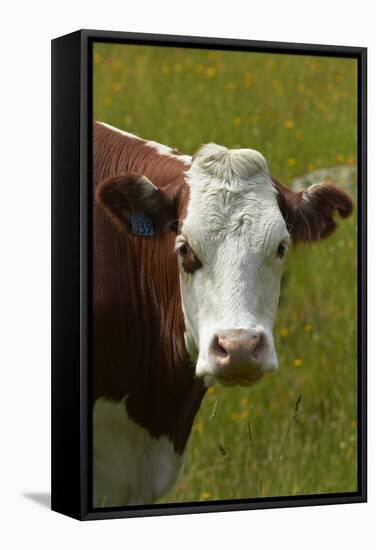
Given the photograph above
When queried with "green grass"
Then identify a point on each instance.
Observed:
(300, 112)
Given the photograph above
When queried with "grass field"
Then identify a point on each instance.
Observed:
(295, 432)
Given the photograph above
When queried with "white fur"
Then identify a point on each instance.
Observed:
(117, 130)
(165, 150)
(234, 226)
(130, 466)
(229, 165)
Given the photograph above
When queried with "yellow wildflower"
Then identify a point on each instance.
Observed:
(205, 495)
(97, 58)
(297, 362)
(117, 86)
(197, 427)
(284, 332)
(289, 124)
(291, 162)
(211, 390)
(248, 80)
(211, 71)
(340, 158)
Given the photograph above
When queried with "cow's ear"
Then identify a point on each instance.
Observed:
(310, 214)
(135, 204)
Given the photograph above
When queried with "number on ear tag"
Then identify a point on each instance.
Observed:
(141, 225)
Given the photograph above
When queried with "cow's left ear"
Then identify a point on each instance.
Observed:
(310, 214)
(135, 204)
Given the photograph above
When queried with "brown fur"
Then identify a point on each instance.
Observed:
(127, 194)
(138, 344)
(309, 215)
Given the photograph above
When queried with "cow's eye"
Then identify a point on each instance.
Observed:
(183, 250)
(189, 261)
(281, 250)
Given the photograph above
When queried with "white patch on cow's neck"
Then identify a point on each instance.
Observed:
(169, 152)
(130, 466)
(117, 130)
(158, 147)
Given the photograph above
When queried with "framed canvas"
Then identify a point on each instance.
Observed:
(208, 274)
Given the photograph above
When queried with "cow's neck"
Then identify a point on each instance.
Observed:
(139, 350)
(168, 398)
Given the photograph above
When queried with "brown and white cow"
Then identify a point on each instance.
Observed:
(188, 258)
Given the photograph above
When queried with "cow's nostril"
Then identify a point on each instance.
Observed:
(217, 349)
(257, 344)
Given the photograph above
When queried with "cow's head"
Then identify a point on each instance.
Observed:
(231, 243)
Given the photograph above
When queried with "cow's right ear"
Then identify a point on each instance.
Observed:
(135, 204)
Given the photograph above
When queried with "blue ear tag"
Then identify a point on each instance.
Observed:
(141, 225)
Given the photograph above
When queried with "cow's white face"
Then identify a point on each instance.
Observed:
(231, 251)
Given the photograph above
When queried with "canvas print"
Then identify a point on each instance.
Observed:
(224, 268)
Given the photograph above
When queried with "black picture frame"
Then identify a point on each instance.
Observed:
(71, 276)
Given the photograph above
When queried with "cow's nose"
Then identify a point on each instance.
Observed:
(237, 348)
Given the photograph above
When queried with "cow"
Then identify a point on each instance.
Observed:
(188, 254)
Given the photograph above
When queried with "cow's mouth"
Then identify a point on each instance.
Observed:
(239, 380)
